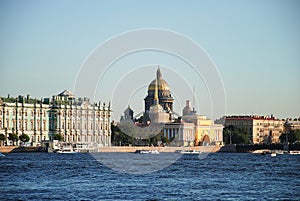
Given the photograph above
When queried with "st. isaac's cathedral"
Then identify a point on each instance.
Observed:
(161, 121)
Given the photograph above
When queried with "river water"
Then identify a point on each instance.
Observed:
(219, 176)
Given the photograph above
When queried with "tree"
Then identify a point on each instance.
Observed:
(165, 140)
(292, 136)
(24, 138)
(13, 137)
(238, 135)
(297, 134)
(2, 139)
(153, 141)
(58, 137)
(119, 135)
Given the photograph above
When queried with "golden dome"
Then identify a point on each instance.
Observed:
(161, 84)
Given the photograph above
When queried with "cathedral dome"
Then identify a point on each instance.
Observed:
(162, 89)
(162, 85)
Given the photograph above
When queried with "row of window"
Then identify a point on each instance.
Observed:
(52, 114)
(21, 126)
(80, 113)
(249, 123)
(52, 126)
(25, 112)
(85, 126)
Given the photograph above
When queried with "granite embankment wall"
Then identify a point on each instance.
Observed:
(160, 149)
(255, 147)
(15, 149)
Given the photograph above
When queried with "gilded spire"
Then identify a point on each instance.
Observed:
(156, 93)
(157, 85)
(158, 74)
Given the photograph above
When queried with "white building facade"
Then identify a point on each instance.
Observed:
(77, 120)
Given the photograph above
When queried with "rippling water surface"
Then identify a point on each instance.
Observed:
(220, 176)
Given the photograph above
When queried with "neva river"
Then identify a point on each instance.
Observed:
(220, 176)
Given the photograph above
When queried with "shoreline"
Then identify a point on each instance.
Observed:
(132, 149)
(121, 149)
(208, 149)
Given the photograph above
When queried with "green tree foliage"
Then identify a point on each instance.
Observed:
(165, 140)
(293, 136)
(238, 136)
(2, 138)
(297, 134)
(13, 137)
(153, 141)
(58, 137)
(118, 137)
(24, 138)
(125, 134)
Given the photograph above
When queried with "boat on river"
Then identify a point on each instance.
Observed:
(1, 155)
(280, 152)
(66, 151)
(295, 152)
(190, 152)
(147, 152)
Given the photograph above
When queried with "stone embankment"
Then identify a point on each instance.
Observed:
(209, 149)
(16, 149)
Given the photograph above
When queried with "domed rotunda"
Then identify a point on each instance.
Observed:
(164, 95)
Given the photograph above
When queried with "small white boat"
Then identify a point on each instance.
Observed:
(67, 151)
(190, 152)
(273, 154)
(279, 152)
(147, 152)
(154, 152)
(1, 155)
(295, 152)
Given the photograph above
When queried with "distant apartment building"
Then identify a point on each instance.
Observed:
(261, 129)
(77, 120)
(291, 125)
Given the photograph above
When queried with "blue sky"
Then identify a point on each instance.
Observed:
(254, 44)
